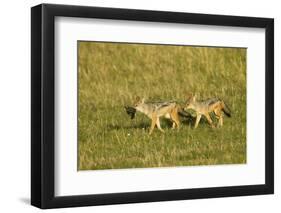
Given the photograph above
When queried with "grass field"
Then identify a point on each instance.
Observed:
(112, 74)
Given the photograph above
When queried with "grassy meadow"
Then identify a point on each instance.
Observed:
(111, 75)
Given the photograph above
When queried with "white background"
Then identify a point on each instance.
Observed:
(15, 106)
(70, 182)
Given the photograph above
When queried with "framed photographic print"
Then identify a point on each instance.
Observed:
(139, 106)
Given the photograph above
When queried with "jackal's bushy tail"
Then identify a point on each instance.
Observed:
(183, 113)
(226, 109)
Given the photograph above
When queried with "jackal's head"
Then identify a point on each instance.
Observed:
(138, 101)
(191, 99)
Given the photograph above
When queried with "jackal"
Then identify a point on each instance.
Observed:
(207, 106)
(155, 110)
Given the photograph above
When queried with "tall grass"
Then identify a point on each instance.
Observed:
(112, 74)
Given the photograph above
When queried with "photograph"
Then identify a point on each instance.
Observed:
(132, 105)
(160, 105)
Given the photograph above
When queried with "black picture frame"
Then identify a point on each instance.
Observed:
(43, 102)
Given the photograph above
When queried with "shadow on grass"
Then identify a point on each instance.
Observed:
(165, 123)
(188, 121)
(132, 126)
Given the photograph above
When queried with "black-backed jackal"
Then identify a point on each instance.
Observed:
(207, 106)
(155, 110)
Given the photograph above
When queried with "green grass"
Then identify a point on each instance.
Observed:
(112, 74)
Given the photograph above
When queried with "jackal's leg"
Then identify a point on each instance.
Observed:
(153, 122)
(175, 119)
(158, 125)
(177, 122)
(198, 117)
(221, 120)
(209, 120)
(219, 116)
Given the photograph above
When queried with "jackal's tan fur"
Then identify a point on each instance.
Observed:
(205, 107)
(159, 109)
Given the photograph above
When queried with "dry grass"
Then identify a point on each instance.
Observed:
(112, 74)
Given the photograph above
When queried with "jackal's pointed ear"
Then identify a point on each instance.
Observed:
(188, 96)
(138, 98)
(194, 97)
